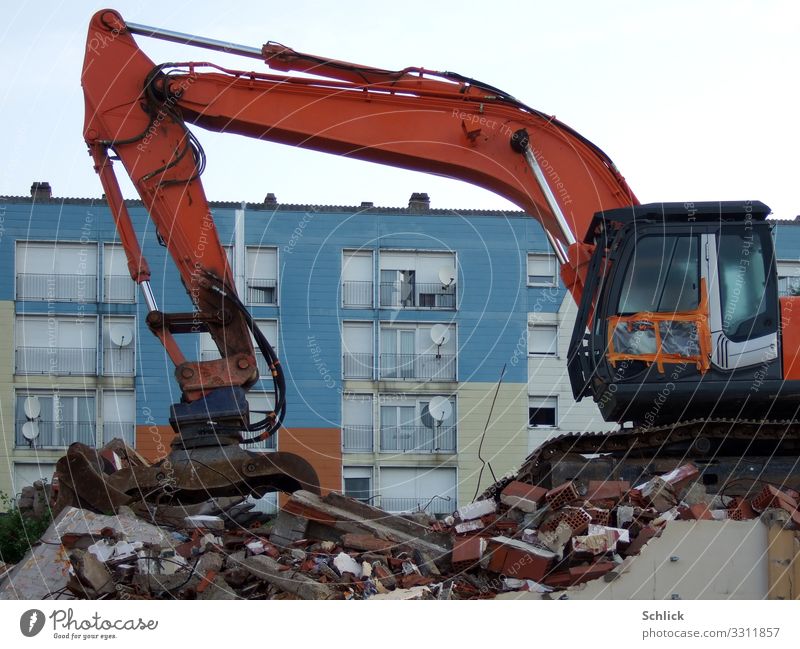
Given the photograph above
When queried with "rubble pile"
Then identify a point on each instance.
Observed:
(522, 538)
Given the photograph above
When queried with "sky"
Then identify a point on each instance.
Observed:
(692, 100)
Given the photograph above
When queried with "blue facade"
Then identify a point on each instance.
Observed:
(492, 294)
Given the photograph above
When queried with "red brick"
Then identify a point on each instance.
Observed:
(740, 510)
(699, 512)
(636, 545)
(580, 574)
(366, 542)
(599, 516)
(562, 495)
(773, 497)
(523, 496)
(607, 489)
(467, 552)
(526, 565)
(576, 518)
(514, 558)
(680, 477)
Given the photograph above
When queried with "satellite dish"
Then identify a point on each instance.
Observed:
(121, 335)
(440, 334)
(30, 430)
(447, 275)
(440, 409)
(32, 407)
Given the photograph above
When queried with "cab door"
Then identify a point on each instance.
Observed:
(743, 309)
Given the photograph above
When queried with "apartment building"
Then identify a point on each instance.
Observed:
(424, 349)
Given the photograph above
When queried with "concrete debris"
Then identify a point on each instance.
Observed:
(518, 537)
(476, 510)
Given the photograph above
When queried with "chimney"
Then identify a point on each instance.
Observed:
(270, 200)
(41, 191)
(419, 202)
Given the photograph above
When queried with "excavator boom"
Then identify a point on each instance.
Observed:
(653, 282)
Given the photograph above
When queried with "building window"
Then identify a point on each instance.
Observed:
(788, 278)
(56, 271)
(119, 358)
(261, 403)
(411, 426)
(270, 330)
(417, 280)
(357, 483)
(409, 489)
(418, 352)
(357, 357)
(543, 340)
(357, 279)
(541, 269)
(57, 346)
(357, 423)
(261, 275)
(117, 283)
(119, 416)
(542, 412)
(55, 420)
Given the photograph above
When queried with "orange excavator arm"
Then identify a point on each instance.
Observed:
(441, 123)
(436, 122)
(137, 112)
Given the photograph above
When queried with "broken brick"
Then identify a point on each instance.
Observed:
(635, 547)
(740, 510)
(576, 518)
(599, 516)
(468, 552)
(773, 497)
(514, 558)
(607, 490)
(522, 496)
(699, 512)
(562, 495)
(680, 477)
(366, 542)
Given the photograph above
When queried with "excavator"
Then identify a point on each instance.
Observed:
(681, 336)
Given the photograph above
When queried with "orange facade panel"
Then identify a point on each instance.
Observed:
(153, 442)
(322, 447)
(790, 337)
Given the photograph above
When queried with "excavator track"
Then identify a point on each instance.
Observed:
(736, 456)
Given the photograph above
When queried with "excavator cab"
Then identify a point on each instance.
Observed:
(680, 310)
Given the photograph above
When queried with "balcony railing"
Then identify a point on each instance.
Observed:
(418, 296)
(418, 439)
(432, 504)
(788, 286)
(434, 367)
(59, 361)
(124, 430)
(54, 287)
(357, 366)
(262, 291)
(119, 361)
(269, 444)
(119, 288)
(59, 434)
(356, 439)
(357, 294)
